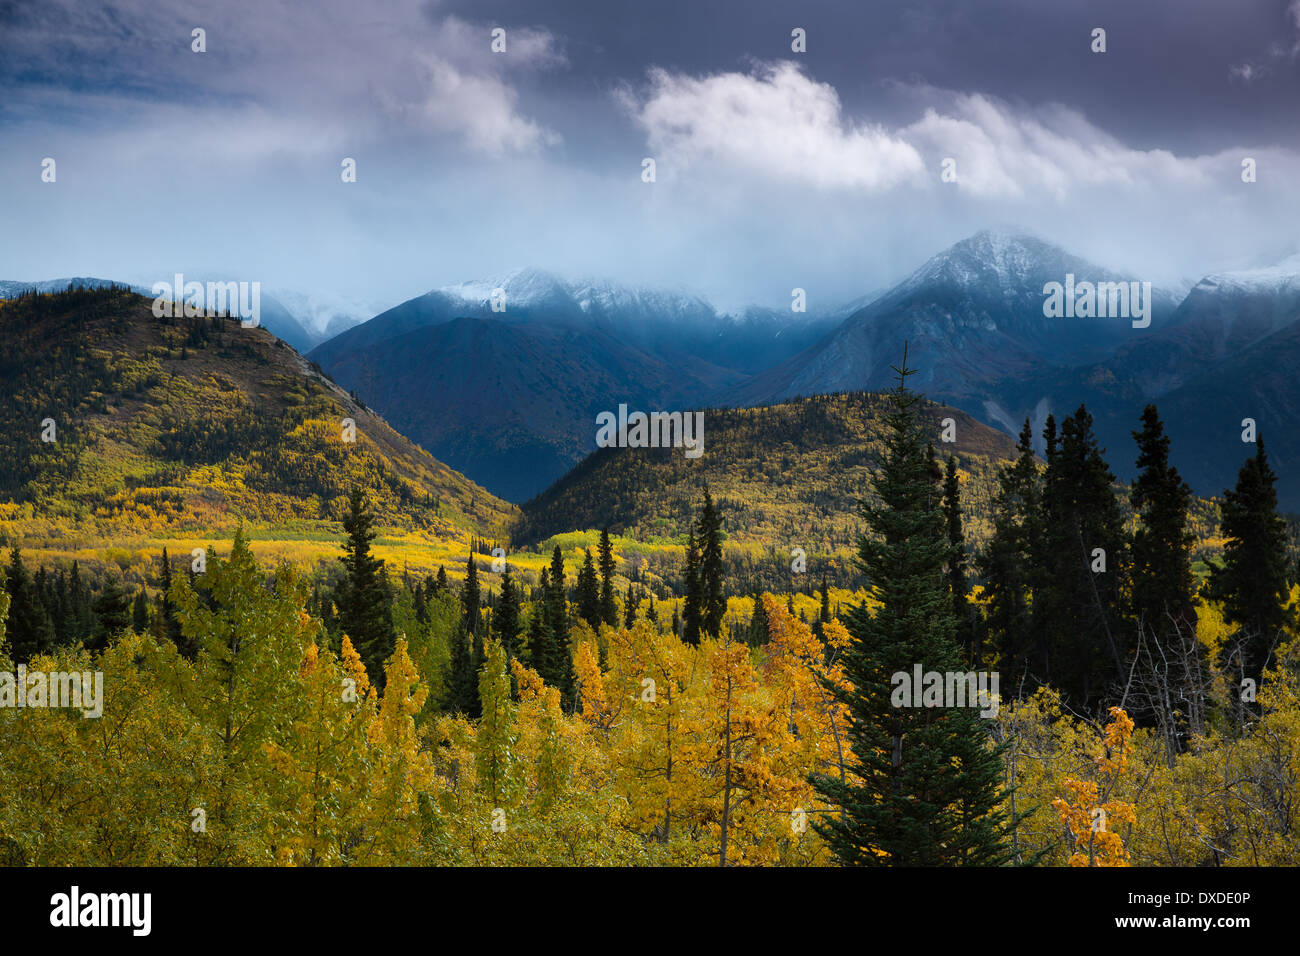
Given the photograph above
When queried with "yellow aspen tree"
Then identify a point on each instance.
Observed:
(591, 686)
(251, 639)
(324, 759)
(402, 771)
(1087, 810)
(797, 676)
(730, 726)
(495, 736)
(645, 686)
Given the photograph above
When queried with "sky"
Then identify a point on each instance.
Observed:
(774, 169)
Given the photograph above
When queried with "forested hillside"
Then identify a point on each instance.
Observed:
(784, 476)
(118, 422)
(788, 475)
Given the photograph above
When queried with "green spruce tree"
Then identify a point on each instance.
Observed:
(470, 596)
(713, 602)
(589, 608)
(1252, 580)
(365, 605)
(608, 608)
(693, 610)
(30, 629)
(506, 620)
(927, 788)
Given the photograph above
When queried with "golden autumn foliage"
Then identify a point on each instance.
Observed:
(1086, 809)
(273, 748)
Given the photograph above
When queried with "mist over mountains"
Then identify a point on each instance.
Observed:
(507, 392)
(509, 397)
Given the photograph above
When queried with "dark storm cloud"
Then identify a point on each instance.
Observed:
(775, 169)
(1167, 78)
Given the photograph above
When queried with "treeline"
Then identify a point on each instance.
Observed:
(50, 610)
(1074, 597)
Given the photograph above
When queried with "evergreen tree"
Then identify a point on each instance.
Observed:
(462, 682)
(440, 584)
(167, 624)
(82, 607)
(1162, 563)
(420, 601)
(693, 612)
(365, 606)
(113, 609)
(758, 623)
(540, 635)
(713, 604)
(556, 602)
(823, 612)
(629, 607)
(608, 609)
(589, 606)
(469, 596)
(506, 620)
(1252, 581)
(140, 613)
(652, 615)
(1009, 569)
(927, 786)
(1079, 609)
(62, 616)
(30, 630)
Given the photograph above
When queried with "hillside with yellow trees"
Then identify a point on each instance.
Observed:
(1065, 687)
(277, 749)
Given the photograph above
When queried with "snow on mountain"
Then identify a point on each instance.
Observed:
(1282, 277)
(526, 287)
(602, 297)
(324, 314)
(997, 262)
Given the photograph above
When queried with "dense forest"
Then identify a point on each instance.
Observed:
(366, 715)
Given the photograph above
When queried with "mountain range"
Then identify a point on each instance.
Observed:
(507, 391)
(510, 397)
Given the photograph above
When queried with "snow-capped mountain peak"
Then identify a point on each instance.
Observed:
(527, 286)
(1006, 260)
(1272, 279)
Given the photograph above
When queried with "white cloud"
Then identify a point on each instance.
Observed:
(480, 107)
(526, 47)
(1002, 153)
(777, 123)
(781, 125)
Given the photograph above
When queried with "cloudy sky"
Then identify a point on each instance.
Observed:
(774, 168)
